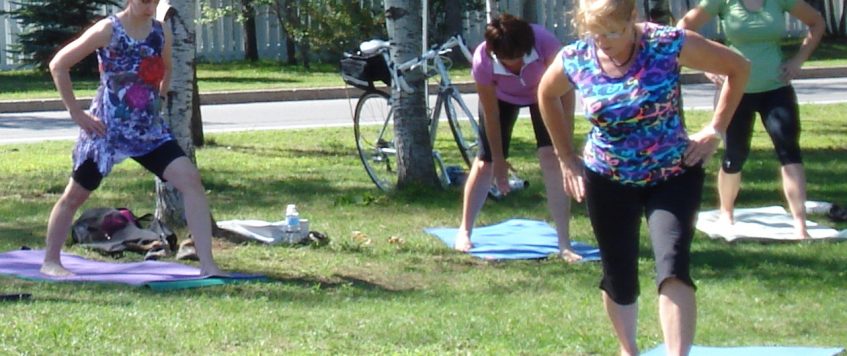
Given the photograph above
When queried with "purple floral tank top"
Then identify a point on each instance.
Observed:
(127, 100)
(637, 136)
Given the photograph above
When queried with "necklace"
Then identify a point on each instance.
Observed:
(631, 52)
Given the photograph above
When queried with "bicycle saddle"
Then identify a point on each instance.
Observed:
(373, 46)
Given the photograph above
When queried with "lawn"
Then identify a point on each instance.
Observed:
(264, 75)
(370, 296)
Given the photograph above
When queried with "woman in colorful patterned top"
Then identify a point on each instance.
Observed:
(754, 28)
(134, 52)
(638, 159)
(507, 67)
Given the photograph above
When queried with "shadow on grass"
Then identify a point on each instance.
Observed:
(14, 238)
(260, 151)
(771, 264)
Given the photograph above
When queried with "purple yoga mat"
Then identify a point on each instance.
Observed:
(26, 264)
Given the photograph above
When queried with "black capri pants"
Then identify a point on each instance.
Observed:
(615, 211)
(508, 117)
(780, 116)
(88, 176)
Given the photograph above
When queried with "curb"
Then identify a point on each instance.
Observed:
(261, 96)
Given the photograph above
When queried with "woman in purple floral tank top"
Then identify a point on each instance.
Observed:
(124, 121)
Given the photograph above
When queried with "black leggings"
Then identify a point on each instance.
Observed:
(89, 177)
(508, 117)
(779, 113)
(615, 211)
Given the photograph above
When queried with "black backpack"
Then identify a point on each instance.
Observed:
(112, 231)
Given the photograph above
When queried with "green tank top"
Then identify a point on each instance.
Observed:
(756, 35)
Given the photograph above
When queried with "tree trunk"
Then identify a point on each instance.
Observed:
(659, 11)
(414, 148)
(529, 12)
(492, 10)
(290, 41)
(453, 13)
(251, 47)
(169, 203)
(197, 136)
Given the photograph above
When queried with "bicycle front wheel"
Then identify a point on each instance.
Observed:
(373, 125)
(464, 126)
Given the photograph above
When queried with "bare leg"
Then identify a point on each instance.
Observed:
(59, 225)
(728, 186)
(476, 191)
(183, 175)
(678, 314)
(558, 202)
(794, 185)
(624, 318)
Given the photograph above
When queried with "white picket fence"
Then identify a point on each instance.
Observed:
(223, 39)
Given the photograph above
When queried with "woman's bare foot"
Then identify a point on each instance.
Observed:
(55, 269)
(212, 271)
(462, 242)
(800, 231)
(726, 219)
(569, 256)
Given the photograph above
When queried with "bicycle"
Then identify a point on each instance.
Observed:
(373, 119)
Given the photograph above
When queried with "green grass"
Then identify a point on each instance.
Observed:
(418, 297)
(264, 75)
(212, 77)
(830, 53)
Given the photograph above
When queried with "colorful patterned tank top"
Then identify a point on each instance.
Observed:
(637, 136)
(127, 100)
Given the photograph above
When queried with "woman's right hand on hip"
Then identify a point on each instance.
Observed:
(89, 123)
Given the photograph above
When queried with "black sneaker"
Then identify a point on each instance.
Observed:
(837, 213)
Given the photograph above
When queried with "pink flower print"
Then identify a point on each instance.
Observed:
(137, 96)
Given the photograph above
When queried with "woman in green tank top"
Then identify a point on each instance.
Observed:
(755, 28)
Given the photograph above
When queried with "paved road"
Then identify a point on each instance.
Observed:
(56, 125)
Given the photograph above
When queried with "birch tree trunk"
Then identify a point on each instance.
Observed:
(169, 203)
(492, 10)
(414, 148)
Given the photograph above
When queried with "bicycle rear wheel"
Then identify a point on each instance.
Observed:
(464, 126)
(373, 125)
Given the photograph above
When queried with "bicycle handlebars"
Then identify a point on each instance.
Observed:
(447, 47)
(397, 70)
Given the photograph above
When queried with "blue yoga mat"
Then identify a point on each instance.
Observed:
(752, 351)
(515, 239)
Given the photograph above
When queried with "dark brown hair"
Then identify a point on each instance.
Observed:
(509, 37)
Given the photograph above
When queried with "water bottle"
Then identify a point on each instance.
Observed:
(292, 218)
(516, 183)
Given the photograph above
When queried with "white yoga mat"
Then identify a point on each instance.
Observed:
(753, 351)
(771, 223)
(267, 232)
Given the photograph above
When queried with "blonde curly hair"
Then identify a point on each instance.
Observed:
(601, 15)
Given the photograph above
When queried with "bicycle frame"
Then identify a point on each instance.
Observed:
(377, 153)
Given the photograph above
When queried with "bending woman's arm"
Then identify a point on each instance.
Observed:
(708, 56)
(694, 19)
(556, 100)
(95, 37)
